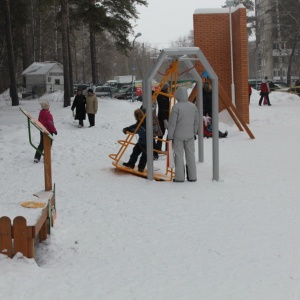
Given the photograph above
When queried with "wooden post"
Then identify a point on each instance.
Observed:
(47, 162)
(43, 231)
(30, 243)
(20, 236)
(5, 236)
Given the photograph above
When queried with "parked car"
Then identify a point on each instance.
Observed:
(125, 93)
(255, 84)
(82, 86)
(279, 87)
(104, 91)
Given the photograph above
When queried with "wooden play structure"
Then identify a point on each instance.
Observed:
(233, 112)
(170, 76)
(17, 234)
(186, 55)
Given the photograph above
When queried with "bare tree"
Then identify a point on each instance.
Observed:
(64, 29)
(10, 54)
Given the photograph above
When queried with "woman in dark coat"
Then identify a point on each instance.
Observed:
(79, 103)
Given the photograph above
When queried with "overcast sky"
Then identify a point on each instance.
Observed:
(164, 21)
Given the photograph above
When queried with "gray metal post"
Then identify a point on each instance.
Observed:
(148, 104)
(215, 125)
(200, 127)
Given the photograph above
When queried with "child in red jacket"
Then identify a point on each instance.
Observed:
(46, 119)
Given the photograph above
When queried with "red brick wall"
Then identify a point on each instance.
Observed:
(212, 36)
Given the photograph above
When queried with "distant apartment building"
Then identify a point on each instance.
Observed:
(269, 55)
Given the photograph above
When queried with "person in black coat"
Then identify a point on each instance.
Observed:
(207, 100)
(163, 103)
(79, 103)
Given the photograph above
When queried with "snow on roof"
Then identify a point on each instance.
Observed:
(225, 10)
(40, 68)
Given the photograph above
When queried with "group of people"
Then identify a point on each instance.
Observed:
(160, 124)
(182, 128)
(85, 105)
(181, 123)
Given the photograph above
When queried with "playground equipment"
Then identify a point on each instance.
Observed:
(168, 175)
(18, 234)
(233, 112)
(186, 55)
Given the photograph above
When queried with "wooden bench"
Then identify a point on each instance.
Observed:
(17, 234)
(19, 229)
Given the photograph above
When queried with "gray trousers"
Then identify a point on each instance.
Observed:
(180, 148)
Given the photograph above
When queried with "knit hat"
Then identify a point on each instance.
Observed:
(181, 94)
(45, 104)
(165, 87)
(90, 91)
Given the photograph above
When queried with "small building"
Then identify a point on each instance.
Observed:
(42, 77)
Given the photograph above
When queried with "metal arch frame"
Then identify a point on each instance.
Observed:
(147, 103)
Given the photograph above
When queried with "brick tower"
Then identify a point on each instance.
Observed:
(212, 36)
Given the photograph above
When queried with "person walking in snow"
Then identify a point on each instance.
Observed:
(79, 104)
(140, 147)
(46, 118)
(264, 91)
(91, 106)
(182, 130)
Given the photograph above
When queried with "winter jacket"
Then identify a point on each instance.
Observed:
(183, 122)
(46, 119)
(264, 87)
(91, 104)
(141, 132)
(79, 103)
(249, 89)
(163, 107)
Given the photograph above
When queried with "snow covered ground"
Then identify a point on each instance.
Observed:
(121, 237)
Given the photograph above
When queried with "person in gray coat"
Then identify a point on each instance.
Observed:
(182, 130)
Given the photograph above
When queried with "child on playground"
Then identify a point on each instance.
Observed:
(207, 128)
(46, 118)
(140, 146)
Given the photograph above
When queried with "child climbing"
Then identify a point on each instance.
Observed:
(140, 147)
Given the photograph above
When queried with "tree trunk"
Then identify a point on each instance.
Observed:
(38, 34)
(288, 77)
(33, 32)
(64, 29)
(10, 54)
(279, 38)
(93, 57)
(70, 57)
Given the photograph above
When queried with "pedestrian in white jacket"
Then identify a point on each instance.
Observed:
(182, 130)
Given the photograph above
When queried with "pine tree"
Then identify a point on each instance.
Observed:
(111, 16)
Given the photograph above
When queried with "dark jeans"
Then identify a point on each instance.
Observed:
(137, 150)
(91, 119)
(262, 96)
(40, 147)
(155, 147)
